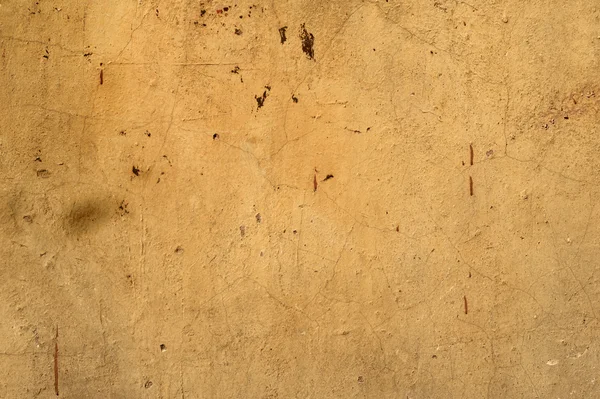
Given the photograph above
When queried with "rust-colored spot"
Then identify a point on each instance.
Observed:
(56, 362)
(471, 150)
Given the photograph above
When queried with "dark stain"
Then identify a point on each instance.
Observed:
(236, 69)
(202, 12)
(308, 42)
(258, 218)
(328, 177)
(147, 133)
(260, 100)
(294, 99)
(238, 31)
(135, 170)
(282, 34)
(84, 216)
(215, 136)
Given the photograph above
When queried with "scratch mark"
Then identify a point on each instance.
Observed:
(471, 149)
(471, 185)
(56, 362)
(101, 76)
(315, 184)
(466, 305)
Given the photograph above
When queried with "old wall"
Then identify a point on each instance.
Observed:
(299, 199)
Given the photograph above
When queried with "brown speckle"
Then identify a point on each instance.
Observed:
(308, 42)
(123, 208)
(43, 173)
(282, 36)
(260, 100)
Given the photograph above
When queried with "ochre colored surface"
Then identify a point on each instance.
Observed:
(398, 199)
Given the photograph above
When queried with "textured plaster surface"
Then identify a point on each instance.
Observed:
(299, 199)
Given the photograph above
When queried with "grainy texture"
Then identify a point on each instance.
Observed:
(270, 199)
